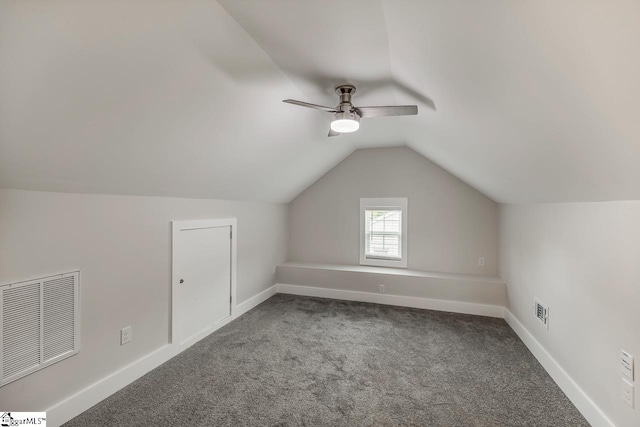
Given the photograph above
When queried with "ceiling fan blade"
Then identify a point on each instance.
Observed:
(333, 133)
(384, 111)
(314, 106)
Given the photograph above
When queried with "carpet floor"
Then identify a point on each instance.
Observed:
(300, 361)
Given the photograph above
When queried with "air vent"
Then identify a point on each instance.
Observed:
(39, 324)
(21, 322)
(541, 312)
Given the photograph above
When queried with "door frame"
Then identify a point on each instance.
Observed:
(183, 225)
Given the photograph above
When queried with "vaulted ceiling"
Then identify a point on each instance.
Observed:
(528, 101)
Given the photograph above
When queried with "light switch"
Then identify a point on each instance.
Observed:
(626, 364)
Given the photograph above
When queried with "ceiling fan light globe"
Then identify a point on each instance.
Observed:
(345, 122)
(344, 125)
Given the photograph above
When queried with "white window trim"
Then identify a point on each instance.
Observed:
(389, 202)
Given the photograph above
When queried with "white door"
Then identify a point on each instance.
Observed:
(202, 269)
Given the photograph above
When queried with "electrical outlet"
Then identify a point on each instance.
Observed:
(627, 392)
(626, 364)
(481, 261)
(125, 335)
(382, 289)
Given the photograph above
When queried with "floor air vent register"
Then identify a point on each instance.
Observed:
(39, 324)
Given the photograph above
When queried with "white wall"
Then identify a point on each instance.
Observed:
(450, 223)
(122, 245)
(583, 260)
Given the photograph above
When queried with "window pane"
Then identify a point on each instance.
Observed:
(383, 233)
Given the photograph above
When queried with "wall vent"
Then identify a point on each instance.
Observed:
(39, 324)
(541, 312)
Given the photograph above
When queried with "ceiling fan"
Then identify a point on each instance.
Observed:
(346, 116)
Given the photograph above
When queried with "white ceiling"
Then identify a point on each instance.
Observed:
(535, 100)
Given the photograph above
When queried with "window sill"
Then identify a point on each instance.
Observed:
(383, 263)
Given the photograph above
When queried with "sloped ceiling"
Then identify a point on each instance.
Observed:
(535, 101)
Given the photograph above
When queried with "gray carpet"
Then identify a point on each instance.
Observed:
(299, 361)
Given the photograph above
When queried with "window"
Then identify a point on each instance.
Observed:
(383, 232)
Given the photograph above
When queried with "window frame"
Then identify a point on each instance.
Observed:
(382, 204)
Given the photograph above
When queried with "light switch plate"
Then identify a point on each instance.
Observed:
(626, 364)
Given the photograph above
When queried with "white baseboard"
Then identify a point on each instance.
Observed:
(398, 300)
(186, 343)
(76, 404)
(578, 397)
(254, 301)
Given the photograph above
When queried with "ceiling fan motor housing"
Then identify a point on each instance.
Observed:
(347, 115)
(345, 92)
